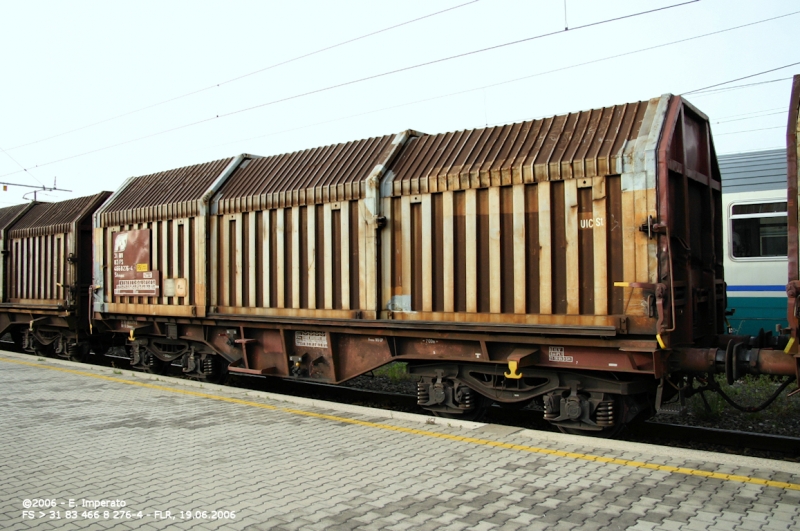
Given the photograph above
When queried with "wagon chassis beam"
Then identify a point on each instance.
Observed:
(406, 329)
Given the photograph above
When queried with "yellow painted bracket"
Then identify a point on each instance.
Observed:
(519, 357)
(660, 341)
(131, 335)
(789, 346)
(512, 371)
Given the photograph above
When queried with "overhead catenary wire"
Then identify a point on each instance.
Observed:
(243, 76)
(736, 87)
(21, 166)
(42, 187)
(741, 78)
(514, 80)
(457, 56)
(750, 130)
(363, 79)
(751, 117)
(782, 108)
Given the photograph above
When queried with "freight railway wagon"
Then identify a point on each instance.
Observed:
(45, 284)
(572, 263)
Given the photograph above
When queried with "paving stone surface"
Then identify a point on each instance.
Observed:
(245, 462)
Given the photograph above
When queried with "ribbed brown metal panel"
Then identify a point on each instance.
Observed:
(9, 215)
(584, 144)
(54, 218)
(173, 207)
(162, 195)
(294, 234)
(50, 251)
(312, 176)
(528, 223)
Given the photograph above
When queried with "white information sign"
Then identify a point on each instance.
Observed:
(557, 354)
(311, 339)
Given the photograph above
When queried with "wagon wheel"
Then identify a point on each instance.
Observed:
(153, 365)
(147, 362)
(219, 376)
(607, 432)
(45, 351)
(79, 352)
(16, 337)
(475, 414)
(100, 348)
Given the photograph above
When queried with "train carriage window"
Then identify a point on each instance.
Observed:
(758, 230)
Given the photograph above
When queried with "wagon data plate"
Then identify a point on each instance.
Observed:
(311, 339)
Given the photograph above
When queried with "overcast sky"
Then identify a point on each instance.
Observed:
(69, 65)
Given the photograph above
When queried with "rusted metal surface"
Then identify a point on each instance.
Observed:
(312, 176)
(544, 244)
(56, 218)
(746, 361)
(775, 362)
(164, 195)
(48, 275)
(51, 252)
(689, 229)
(793, 209)
(531, 224)
(166, 213)
(536, 222)
(574, 146)
(8, 216)
(294, 234)
(171, 274)
(521, 221)
(319, 351)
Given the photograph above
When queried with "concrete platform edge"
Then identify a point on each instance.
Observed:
(536, 436)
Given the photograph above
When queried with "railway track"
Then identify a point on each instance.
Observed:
(786, 448)
(658, 433)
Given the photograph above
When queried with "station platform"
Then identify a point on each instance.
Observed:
(87, 447)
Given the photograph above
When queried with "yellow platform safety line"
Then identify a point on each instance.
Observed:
(444, 436)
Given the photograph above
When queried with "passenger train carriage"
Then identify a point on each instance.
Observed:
(755, 240)
(573, 263)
